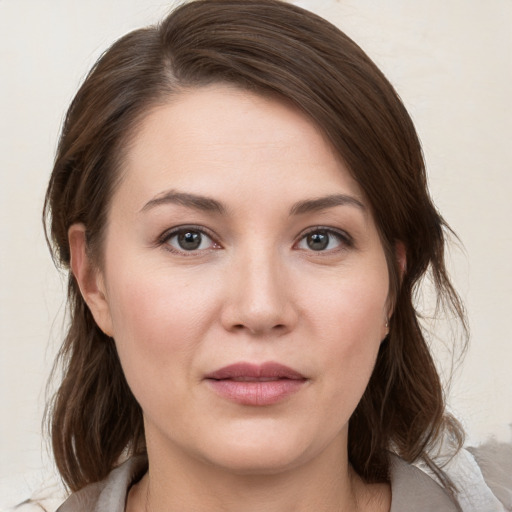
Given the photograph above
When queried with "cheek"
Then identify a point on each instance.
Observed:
(159, 321)
(146, 302)
(353, 306)
(350, 320)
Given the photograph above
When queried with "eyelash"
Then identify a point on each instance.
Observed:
(343, 238)
(165, 238)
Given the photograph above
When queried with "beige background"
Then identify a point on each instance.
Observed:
(450, 60)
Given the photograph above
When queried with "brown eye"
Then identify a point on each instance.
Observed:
(324, 240)
(318, 241)
(188, 240)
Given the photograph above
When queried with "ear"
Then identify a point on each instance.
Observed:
(401, 258)
(89, 279)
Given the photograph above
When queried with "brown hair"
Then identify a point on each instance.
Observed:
(269, 47)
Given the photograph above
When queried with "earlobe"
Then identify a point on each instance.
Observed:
(401, 258)
(89, 279)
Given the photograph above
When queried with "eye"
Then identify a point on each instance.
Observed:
(321, 239)
(188, 239)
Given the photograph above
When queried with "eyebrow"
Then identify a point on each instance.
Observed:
(207, 204)
(325, 202)
(194, 201)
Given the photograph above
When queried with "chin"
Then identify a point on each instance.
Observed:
(260, 454)
(260, 462)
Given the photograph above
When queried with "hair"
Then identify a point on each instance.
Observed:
(271, 48)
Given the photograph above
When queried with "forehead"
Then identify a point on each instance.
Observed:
(219, 138)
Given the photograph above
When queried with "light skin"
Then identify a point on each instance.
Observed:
(282, 263)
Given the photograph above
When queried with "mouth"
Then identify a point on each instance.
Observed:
(256, 385)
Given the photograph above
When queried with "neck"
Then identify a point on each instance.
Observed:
(326, 483)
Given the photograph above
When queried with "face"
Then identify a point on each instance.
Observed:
(244, 283)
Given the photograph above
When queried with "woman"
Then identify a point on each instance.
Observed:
(240, 198)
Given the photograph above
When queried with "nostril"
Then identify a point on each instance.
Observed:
(278, 328)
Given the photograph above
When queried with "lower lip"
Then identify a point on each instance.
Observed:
(256, 392)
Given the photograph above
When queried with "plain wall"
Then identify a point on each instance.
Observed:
(451, 62)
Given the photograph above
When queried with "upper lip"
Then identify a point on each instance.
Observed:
(267, 371)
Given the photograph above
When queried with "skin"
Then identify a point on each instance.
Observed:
(253, 291)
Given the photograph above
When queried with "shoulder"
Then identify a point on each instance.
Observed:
(482, 477)
(109, 495)
(494, 460)
(413, 489)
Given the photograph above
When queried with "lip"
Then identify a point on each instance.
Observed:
(256, 384)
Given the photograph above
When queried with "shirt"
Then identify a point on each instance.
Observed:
(411, 489)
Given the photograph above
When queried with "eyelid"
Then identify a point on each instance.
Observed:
(164, 238)
(345, 239)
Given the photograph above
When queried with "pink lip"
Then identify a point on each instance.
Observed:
(253, 384)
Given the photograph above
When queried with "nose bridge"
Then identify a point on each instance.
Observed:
(259, 296)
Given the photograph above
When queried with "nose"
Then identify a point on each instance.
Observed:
(259, 296)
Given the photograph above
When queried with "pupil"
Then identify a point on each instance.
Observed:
(189, 240)
(318, 241)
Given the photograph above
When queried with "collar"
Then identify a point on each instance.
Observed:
(411, 489)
